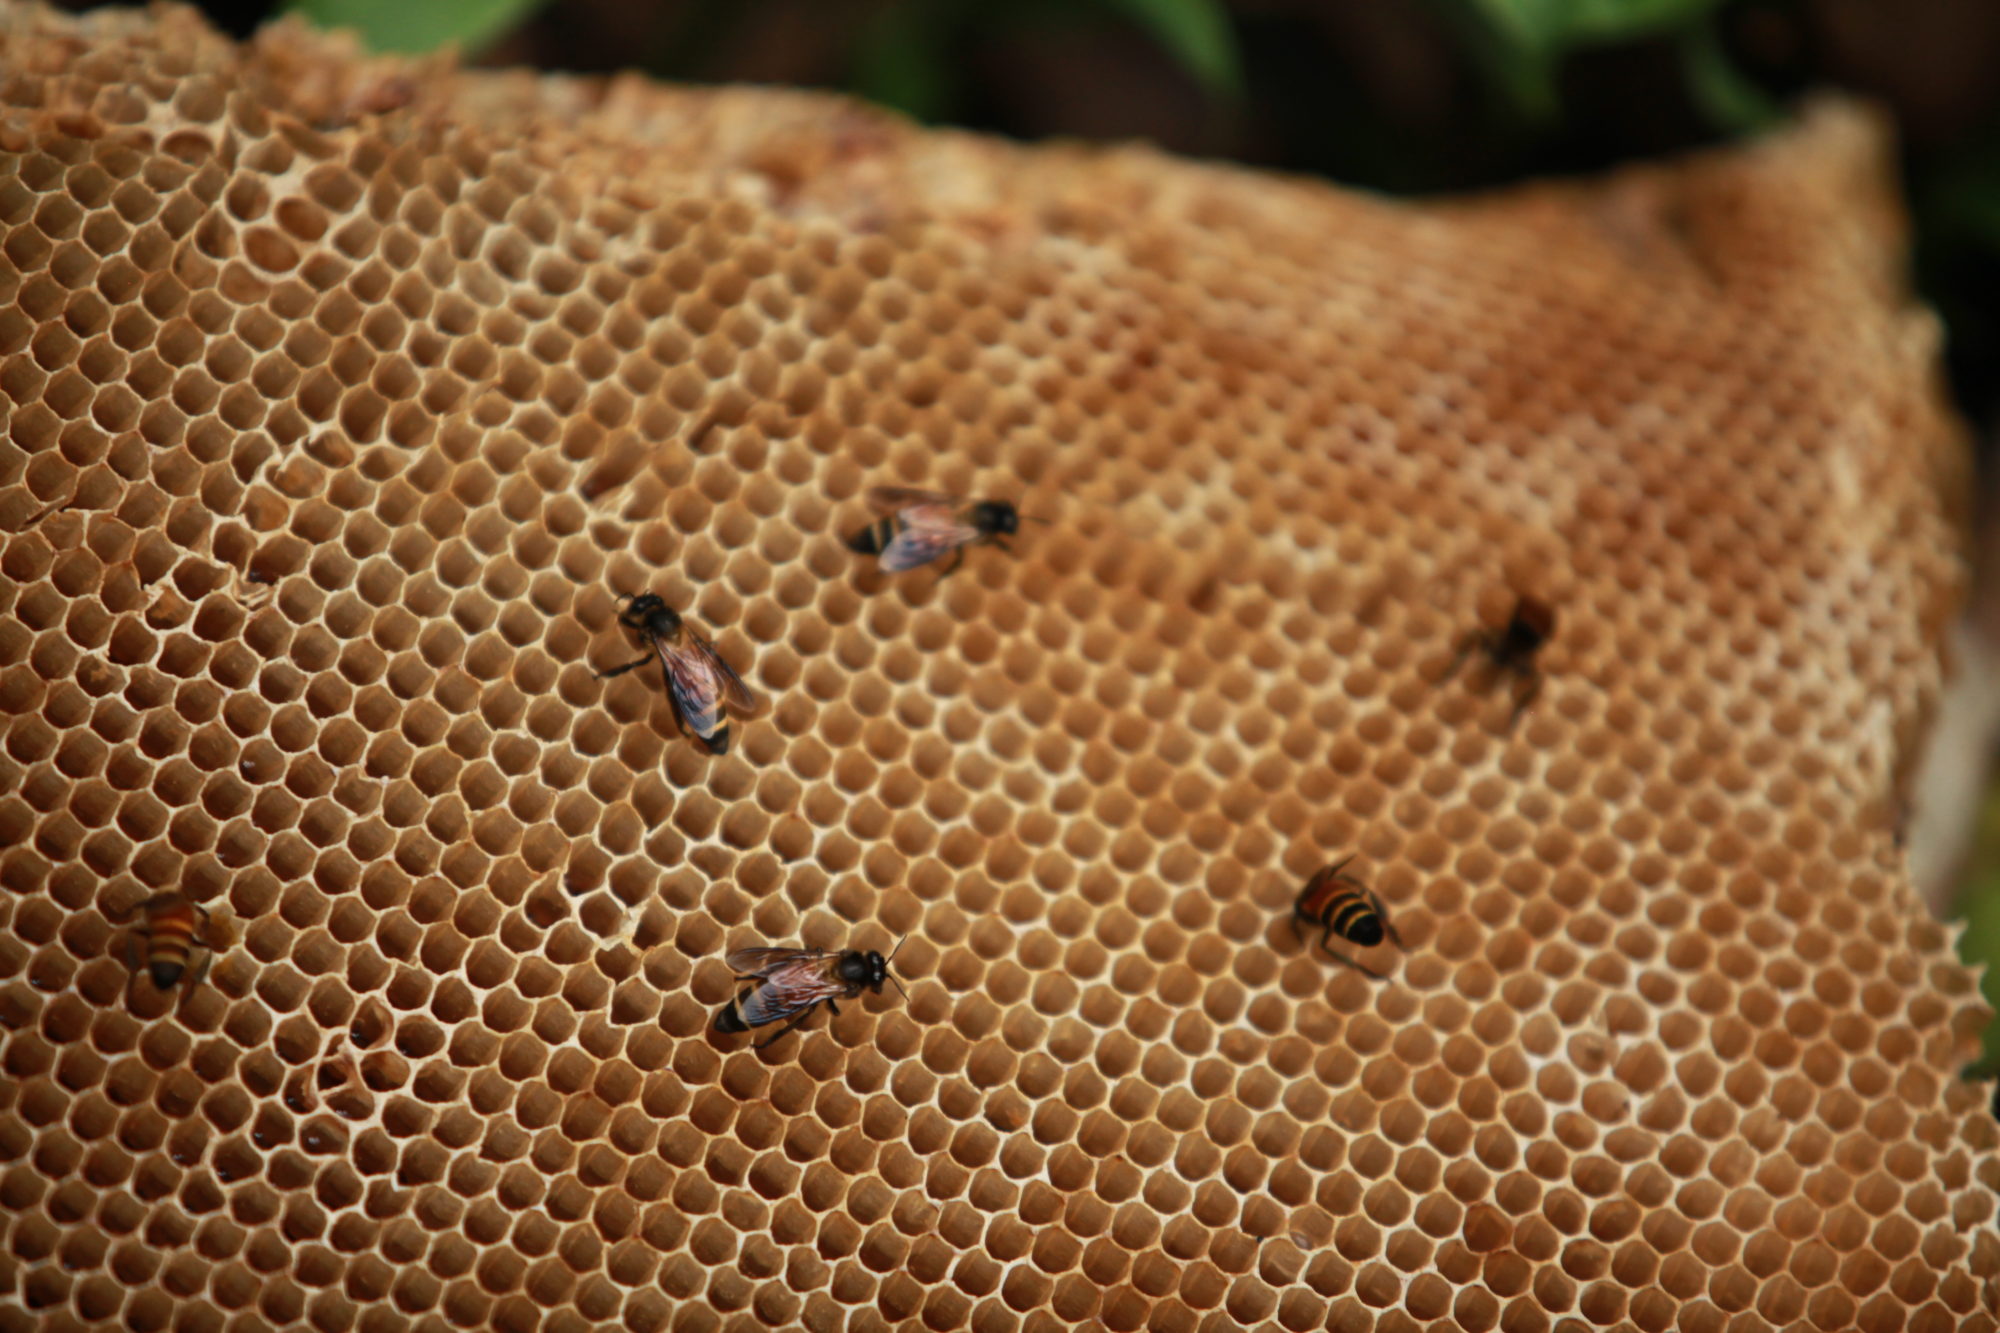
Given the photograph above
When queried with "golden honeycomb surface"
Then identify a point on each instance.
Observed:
(342, 398)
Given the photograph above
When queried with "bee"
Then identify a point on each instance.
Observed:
(699, 682)
(1342, 905)
(1512, 649)
(791, 983)
(919, 526)
(173, 929)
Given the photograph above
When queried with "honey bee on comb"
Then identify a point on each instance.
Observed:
(174, 929)
(699, 683)
(1342, 905)
(791, 983)
(1513, 649)
(918, 526)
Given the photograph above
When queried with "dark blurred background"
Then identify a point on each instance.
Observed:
(1407, 96)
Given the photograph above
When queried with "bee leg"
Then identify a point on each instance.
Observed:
(132, 949)
(957, 559)
(1527, 697)
(1466, 647)
(833, 1008)
(200, 971)
(621, 670)
(1395, 937)
(1325, 943)
(1365, 971)
(1001, 542)
(779, 1034)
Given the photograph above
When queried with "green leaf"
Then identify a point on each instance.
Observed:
(414, 27)
(1521, 42)
(902, 61)
(1196, 33)
(1980, 902)
(1719, 89)
(1550, 27)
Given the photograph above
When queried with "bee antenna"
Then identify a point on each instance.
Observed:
(891, 975)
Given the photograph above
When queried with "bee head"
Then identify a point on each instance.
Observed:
(1532, 624)
(649, 611)
(996, 516)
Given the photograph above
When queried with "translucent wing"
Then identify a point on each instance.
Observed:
(895, 499)
(731, 684)
(791, 988)
(1314, 892)
(920, 543)
(695, 685)
(757, 962)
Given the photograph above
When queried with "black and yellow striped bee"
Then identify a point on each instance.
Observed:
(701, 686)
(791, 983)
(174, 929)
(1512, 649)
(1342, 905)
(919, 526)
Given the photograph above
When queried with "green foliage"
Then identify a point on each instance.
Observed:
(1196, 33)
(414, 27)
(906, 57)
(901, 58)
(1547, 28)
(1980, 944)
(1521, 43)
(1719, 90)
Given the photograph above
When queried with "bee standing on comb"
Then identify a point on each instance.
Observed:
(791, 983)
(699, 682)
(919, 526)
(1512, 649)
(1342, 905)
(173, 929)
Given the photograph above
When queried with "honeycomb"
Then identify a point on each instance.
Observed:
(343, 398)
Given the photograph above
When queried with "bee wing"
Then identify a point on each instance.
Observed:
(790, 989)
(731, 684)
(919, 543)
(895, 499)
(694, 683)
(758, 962)
(1321, 878)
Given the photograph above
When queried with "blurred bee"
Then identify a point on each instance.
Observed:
(174, 929)
(699, 682)
(791, 983)
(919, 526)
(1512, 649)
(1341, 905)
